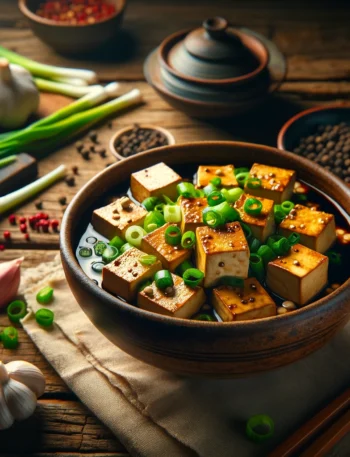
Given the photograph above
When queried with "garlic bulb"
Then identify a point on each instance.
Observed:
(20, 385)
(10, 277)
(19, 96)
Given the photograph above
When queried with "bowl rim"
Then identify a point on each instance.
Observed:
(162, 53)
(68, 253)
(22, 4)
(282, 133)
(170, 137)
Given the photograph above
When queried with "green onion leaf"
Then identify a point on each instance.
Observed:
(110, 254)
(239, 170)
(204, 317)
(215, 198)
(186, 189)
(188, 240)
(256, 265)
(150, 202)
(163, 279)
(232, 195)
(294, 238)
(148, 259)
(180, 270)
(99, 247)
(16, 310)
(287, 206)
(253, 206)
(193, 277)
(125, 248)
(172, 235)
(44, 317)
(216, 181)
(253, 183)
(281, 247)
(232, 281)
(9, 338)
(153, 220)
(242, 178)
(116, 242)
(45, 295)
(266, 253)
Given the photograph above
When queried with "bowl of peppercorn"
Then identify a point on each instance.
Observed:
(73, 27)
(321, 134)
(132, 140)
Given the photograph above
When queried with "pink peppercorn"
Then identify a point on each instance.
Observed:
(27, 236)
(22, 220)
(23, 228)
(55, 224)
(12, 219)
(7, 235)
(44, 216)
(2, 247)
(32, 221)
(45, 225)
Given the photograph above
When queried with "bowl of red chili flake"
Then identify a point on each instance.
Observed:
(74, 26)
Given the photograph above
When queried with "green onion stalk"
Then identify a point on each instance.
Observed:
(48, 71)
(63, 88)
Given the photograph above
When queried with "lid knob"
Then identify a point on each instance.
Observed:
(215, 26)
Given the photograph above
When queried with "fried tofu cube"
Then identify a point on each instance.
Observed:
(114, 219)
(316, 228)
(170, 256)
(184, 303)
(191, 213)
(263, 225)
(155, 181)
(298, 276)
(206, 173)
(124, 275)
(243, 304)
(277, 184)
(222, 253)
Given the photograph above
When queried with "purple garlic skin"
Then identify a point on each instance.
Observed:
(10, 277)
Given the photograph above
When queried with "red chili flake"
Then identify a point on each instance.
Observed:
(7, 235)
(22, 220)
(12, 219)
(54, 224)
(23, 228)
(75, 11)
(2, 247)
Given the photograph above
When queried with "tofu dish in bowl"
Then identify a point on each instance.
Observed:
(216, 243)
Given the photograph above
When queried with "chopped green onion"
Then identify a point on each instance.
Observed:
(215, 198)
(85, 252)
(232, 195)
(91, 240)
(253, 183)
(172, 235)
(281, 247)
(9, 338)
(300, 198)
(163, 279)
(188, 240)
(272, 239)
(216, 181)
(110, 254)
(44, 317)
(260, 428)
(97, 267)
(287, 206)
(159, 207)
(266, 253)
(144, 285)
(278, 213)
(212, 218)
(134, 235)
(168, 201)
(294, 238)
(45, 295)
(228, 213)
(254, 245)
(232, 281)
(180, 270)
(209, 189)
(193, 277)
(247, 231)
(172, 213)
(116, 242)
(99, 247)
(242, 178)
(199, 193)
(148, 259)
(7, 161)
(153, 220)
(186, 189)
(239, 170)
(16, 310)
(334, 257)
(150, 202)
(204, 317)
(257, 266)
(30, 190)
(125, 248)
(253, 206)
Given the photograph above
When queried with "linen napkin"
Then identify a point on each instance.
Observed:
(156, 414)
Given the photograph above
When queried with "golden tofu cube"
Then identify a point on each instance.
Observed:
(155, 181)
(243, 304)
(316, 228)
(277, 184)
(114, 219)
(206, 173)
(191, 213)
(185, 302)
(222, 253)
(263, 225)
(298, 276)
(125, 275)
(170, 256)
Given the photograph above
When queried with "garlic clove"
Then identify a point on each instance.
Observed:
(28, 374)
(10, 276)
(20, 400)
(6, 418)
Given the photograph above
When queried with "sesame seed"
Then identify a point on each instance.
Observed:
(221, 264)
(296, 263)
(302, 226)
(281, 310)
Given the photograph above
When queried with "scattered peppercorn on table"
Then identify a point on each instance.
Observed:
(314, 37)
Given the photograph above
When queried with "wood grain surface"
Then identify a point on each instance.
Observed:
(315, 38)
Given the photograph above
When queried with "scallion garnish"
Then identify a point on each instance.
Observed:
(45, 295)
(253, 206)
(239, 170)
(159, 207)
(153, 220)
(193, 277)
(209, 189)
(204, 317)
(212, 218)
(216, 181)
(134, 235)
(253, 183)
(247, 231)
(172, 213)
(215, 198)
(110, 254)
(180, 270)
(172, 235)
(287, 206)
(125, 248)
(186, 190)
(266, 253)
(163, 279)
(228, 213)
(257, 266)
(294, 238)
(278, 213)
(16, 310)
(148, 259)
(232, 195)
(9, 338)
(85, 252)
(97, 267)
(232, 281)
(334, 257)
(44, 317)
(188, 239)
(116, 242)
(281, 247)
(260, 428)
(99, 247)
(254, 244)
(150, 202)
(242, 178)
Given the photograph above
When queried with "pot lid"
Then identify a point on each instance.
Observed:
(213, 51)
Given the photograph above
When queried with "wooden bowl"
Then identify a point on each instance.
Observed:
(304, 123)
(68, 38)
(210, 349)
(170, 138)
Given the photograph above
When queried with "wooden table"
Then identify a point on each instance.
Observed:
(315, 37)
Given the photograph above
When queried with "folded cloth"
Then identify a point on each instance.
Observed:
(155, 413)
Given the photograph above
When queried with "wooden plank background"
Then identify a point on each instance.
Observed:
(314, 37)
